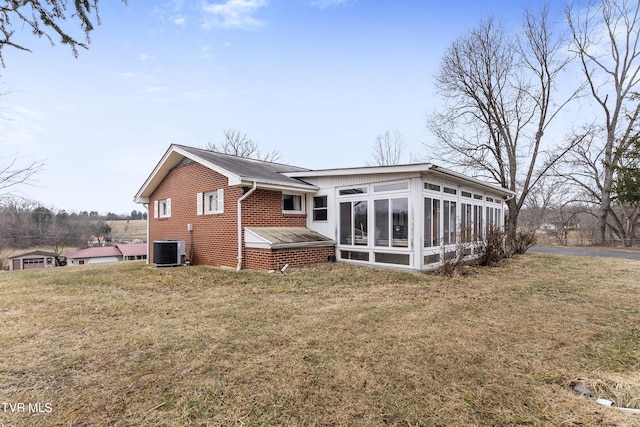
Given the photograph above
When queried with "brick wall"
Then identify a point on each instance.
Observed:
(215, 239)
(275, 259)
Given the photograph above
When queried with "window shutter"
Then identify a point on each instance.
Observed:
(169, 207)
(155, 208)
(199, 207)
(221, 200)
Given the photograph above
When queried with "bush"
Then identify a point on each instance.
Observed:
(492, 251)
(525, 238)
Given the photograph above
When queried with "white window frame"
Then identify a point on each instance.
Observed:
(324, 208)
(211, 202)
(162, 208)
(293, 211)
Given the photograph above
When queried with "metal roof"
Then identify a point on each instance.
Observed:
(36, 253)
(283, 237)
(97, 252)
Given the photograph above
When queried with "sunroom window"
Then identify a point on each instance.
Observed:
(353, 223)
(392, 219)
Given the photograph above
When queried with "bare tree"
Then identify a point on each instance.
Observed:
(46, 18)
(388, 149)
(238, 144)
(499, 101)
(606, 38)
(14, 174)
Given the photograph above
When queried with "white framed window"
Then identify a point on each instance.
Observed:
(320, 208)
(292, 203)
(162, 208)
(211, 202)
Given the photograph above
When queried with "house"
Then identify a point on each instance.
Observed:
(133, 251)
(35, 259)
(100, 254)
(233, 211)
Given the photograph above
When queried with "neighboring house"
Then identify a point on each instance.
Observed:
(133, 251)
(233, 211)
(101, 254)
(35, 259)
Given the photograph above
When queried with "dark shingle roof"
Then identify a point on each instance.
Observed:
(249, 169)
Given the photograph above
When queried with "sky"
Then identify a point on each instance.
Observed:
(316, 80)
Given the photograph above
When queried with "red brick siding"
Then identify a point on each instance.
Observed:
(215, 235)
(275, 259)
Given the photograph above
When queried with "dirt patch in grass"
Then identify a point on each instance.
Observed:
(333, 344)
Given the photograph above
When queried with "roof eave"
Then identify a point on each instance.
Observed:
(270, 185)
(365, 170)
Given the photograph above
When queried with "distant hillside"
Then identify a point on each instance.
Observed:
(127, 230)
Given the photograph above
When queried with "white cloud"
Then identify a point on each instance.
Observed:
(126, 75)
(324, 4)
(233, 14)
(143, 57)
(180, 20)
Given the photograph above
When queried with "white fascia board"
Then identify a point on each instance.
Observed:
(367, 170)
(171, 158)
(418, 167)
(233, 178)
(500, 190)
(156, 176)
(269, 185)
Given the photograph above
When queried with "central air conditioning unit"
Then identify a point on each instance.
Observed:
(168, 253)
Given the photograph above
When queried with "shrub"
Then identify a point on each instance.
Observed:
(492, 250)
(525, 238)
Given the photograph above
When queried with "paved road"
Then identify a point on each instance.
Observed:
(577, 251)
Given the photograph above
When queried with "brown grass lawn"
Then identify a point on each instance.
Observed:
(129, 229)
(129, 344)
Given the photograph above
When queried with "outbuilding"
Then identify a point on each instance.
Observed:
(34, 259)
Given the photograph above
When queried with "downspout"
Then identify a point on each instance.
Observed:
(146, 207)
(244, 196)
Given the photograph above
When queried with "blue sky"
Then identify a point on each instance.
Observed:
(316, 80)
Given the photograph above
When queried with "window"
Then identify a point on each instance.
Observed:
(431, 222)
(449, 222)
(391, 218)
(291, 203)
(162, 208)
(211, 202)
(432, 187)
(320, 208)
(466, 222)
(490, 220)
(394, 186)
(353, 223)
(477, 222)
(350, 191)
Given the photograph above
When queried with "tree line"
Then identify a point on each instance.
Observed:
(26, 224)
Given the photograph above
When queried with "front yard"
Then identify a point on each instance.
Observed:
(129, 344)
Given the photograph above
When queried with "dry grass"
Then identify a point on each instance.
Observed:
(128, 344)
(129, 229)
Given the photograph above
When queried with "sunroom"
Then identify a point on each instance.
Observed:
(414, 216)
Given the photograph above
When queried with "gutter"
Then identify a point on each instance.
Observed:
(244, 196)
